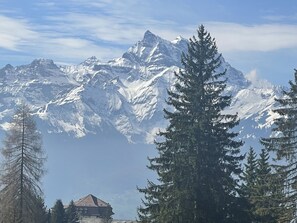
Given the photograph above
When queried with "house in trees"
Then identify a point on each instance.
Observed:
(92, 209)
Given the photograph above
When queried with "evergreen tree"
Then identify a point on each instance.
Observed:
(249, 180)
(268, 193)
(41, 215)
(283, 143)
(58, 214)
(278, 199)
(199, 157)
(71, 213)
(250, 173)
(262, 190)
(22, 169)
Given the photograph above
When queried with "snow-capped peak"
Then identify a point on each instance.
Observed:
(178, 40)
(44, 63)
(149, 38)
(90, 61)
(127, 94)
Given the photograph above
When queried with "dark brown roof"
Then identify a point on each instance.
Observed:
(90, 201)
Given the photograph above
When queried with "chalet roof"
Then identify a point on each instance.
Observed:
(90, 201)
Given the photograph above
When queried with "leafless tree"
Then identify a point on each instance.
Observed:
(22, 169)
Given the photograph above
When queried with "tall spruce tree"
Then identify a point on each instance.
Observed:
(262, 190)
(284, 144)
(41, 215)
(278, 198)
(58, 214)
(21, 170)
(199, 156)
(71, 213)
(268, 193)
(250, 173)
(249, 180)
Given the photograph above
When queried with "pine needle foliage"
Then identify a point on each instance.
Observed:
(283, 143)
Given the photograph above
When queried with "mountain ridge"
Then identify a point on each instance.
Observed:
(127, 93)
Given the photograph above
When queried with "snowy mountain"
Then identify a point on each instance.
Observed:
(89, 112)
(127, 94)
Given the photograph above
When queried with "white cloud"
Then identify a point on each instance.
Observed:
(69, 50)
(252, 76)
(14, 33)
(264, 37)
(71, 43)
(110, 27)
(48, 41)
(112, 21)
(119, 29)
(49, 4)
(257, 80)
(106, 28)
(278, 18)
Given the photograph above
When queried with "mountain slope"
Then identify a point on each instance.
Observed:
(127, 93)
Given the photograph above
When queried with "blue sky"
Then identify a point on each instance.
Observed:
(256, 37)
